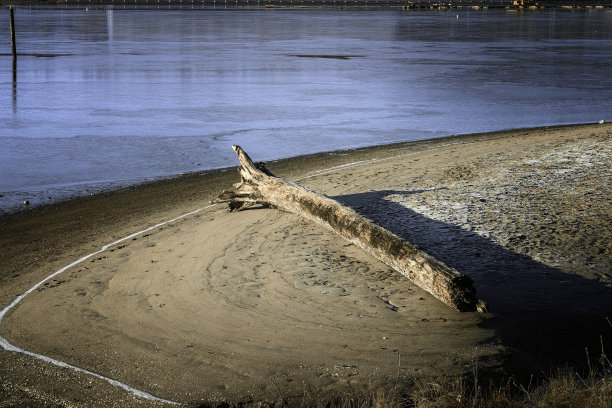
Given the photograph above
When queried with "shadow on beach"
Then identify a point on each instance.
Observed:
(544, 316)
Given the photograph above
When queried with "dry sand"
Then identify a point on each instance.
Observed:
(262, 305)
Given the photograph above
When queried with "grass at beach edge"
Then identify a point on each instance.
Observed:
(563, 388)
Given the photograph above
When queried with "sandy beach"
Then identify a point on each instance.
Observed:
(261, 306)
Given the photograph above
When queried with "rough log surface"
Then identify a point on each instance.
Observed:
(260, 187)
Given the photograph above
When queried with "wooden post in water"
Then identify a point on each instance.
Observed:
(12, 18)
(14, 47)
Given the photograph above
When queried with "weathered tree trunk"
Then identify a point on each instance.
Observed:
(259, 186)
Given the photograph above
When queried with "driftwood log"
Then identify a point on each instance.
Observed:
(260, 187)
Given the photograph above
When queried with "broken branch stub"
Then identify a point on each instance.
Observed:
(259, 186)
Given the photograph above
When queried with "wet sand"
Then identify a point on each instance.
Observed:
(262, 305)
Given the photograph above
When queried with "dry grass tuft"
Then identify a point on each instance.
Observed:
(564, 389)
(570, 390)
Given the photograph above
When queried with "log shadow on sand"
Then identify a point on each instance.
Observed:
(543, 315)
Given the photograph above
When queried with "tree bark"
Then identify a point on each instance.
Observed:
(259, 186)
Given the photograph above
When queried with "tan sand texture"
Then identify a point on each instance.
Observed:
(262, 305)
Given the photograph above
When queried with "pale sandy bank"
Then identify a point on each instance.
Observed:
(261, 305)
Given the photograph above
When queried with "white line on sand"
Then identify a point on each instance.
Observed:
(364, 162)
(6, 345)
(9, 347)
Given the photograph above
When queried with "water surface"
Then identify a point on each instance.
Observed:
(108, 97)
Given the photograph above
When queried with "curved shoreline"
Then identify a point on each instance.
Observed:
(47, 238)
(19, 211)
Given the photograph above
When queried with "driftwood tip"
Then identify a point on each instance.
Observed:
(249, 169)
(244, 158)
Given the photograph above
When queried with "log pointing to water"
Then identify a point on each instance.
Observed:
(259, 186)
